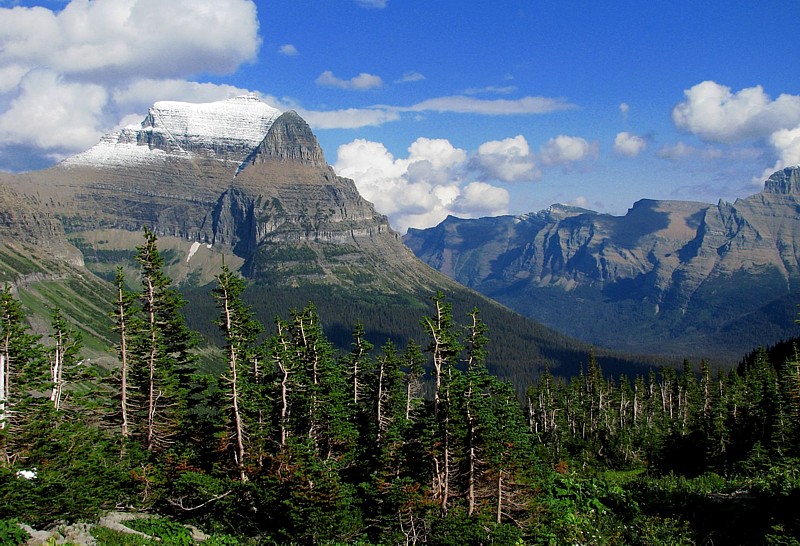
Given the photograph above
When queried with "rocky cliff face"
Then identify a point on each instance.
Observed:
(286, 202)
(666, 270)
(23, 224)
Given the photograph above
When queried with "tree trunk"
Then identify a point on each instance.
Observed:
(379, 400)
(284, 370)
(471, 463)
(499, 514)
(123, 355)
(3, 390)
(151, 366)
(232, 364)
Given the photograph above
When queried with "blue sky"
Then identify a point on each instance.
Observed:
(433, 107)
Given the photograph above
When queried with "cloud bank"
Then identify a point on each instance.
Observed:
(421, 190)
(67, 77)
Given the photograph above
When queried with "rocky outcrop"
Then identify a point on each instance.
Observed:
(286, 194)
(680, 267)
(21, 222)
(289, 139)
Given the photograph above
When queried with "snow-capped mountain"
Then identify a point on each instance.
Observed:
(238, 175)
(226, 130)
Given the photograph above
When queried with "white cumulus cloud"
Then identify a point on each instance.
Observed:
(362, 82)
(787, 143)
(58, 115)
(628, 144)
(482, 199)
(422, 189)
(717, 114)
(125, 37)
(508, 160)
(441, 155)
(565, 149)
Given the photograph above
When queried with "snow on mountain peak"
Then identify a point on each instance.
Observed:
(226, 130)
(244, 118)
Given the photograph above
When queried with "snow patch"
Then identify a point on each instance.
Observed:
(27, 474)
(192, 250)
(245, 119)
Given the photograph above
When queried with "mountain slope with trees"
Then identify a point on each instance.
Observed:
(292, 443)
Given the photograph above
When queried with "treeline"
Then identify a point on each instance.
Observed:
(690, 422)
(520, 348)
(418, 444)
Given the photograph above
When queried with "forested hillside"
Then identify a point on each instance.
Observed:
(289, 441)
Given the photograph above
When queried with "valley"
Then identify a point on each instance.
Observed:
(209, 326)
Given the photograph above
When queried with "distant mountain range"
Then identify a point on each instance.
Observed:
(241, 182)
(669, 277)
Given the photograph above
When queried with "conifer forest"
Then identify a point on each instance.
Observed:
(275, 437)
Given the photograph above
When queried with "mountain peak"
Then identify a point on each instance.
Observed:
(785, 181)
(289, 139)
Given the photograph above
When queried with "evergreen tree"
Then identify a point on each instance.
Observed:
(444, 347)
(22, 365)
(125, 323)
(317, 436)
(67, 344)
(357, 363)
(412, 360)
(240, 329)
(161, 350)
(790, 386)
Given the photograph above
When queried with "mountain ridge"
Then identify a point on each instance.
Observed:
(664, 264)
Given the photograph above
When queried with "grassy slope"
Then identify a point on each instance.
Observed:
(43, 283)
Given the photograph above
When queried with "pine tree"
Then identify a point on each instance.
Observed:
(240, 329)
(22, 366)
(444, 348)
(473, 399)
(67, 344)
(790, 385)
(357, 363)
(413, 360)
(125, 324)
(161, 350)
(317, 437)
